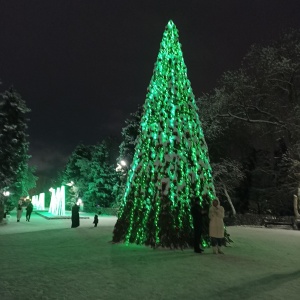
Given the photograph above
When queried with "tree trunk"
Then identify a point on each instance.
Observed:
(1, 210)
(296, 199)
(229, 200)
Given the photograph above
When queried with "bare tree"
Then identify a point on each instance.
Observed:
(255, 106)
(227, 175)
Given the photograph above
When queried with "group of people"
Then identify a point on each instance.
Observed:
(199, 215)
(29, 209)
(75, 217)
(214, 218)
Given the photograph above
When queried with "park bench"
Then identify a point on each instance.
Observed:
(275, 221)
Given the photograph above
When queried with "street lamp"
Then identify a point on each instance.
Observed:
(121, 166)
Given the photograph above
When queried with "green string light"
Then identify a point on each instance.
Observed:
(171, 163)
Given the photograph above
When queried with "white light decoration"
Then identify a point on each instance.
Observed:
(57, 204)
(118, 168)
(38, 201)
(6, 193)
(121, 165)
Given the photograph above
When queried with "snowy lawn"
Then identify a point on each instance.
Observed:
(46, 259)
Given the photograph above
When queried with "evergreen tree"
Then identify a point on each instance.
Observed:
(171, 163)
(130, 136)
(102, 178)
(74, 173)
(13, 145)
(93, 176)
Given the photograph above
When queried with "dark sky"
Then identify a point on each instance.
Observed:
(83, 66)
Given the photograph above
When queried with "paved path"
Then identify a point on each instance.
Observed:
(38, 223)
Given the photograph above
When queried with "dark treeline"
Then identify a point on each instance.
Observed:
(251, 122)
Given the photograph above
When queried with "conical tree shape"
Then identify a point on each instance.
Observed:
(171, 163)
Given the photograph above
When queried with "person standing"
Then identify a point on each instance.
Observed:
(19, 210)
(197, 213)
(96, 220)
(216, 226)
(29, 210)
(75, 216)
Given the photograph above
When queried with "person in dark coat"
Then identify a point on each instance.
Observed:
(19, 210)
(96, 220)
(75, 216)
(197, 215)
(29, 210)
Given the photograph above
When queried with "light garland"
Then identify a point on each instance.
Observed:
(171, 163)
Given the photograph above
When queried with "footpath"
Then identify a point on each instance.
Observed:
(44, 221)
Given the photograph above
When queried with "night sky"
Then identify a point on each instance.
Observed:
(83, 66)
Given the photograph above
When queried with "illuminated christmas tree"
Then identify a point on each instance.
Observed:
(171, 163)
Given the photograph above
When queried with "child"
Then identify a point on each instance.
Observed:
(95, 220)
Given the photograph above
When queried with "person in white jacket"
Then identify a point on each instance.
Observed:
(216, 226)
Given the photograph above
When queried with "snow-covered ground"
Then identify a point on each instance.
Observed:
(46, 259)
